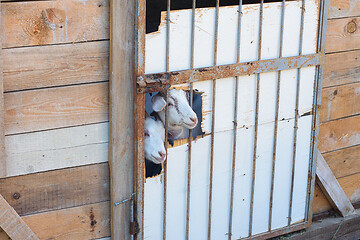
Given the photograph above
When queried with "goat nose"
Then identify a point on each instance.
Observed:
(162, 155)
(194, 120)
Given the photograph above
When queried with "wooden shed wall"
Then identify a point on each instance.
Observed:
(55, 68)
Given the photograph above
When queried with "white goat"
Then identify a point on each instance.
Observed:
(180, 115)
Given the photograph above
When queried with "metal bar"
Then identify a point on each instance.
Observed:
(316, 108)
(158, 80)
(276, 116)
(190, 131)
(166, 114)
(298, 76)
(211, 155)
(216, 35)
(139, 119)
(256, 123)
(233, 164)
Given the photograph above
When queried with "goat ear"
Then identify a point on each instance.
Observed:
(158, 102)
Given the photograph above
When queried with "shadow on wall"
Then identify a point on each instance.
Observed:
(154, 8)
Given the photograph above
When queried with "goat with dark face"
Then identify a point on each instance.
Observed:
(180, 115)
(155, 153)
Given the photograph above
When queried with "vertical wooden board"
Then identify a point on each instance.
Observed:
(262, 183)
(55, 65)
(246, 100)
(224, 104)
(292, 21)
(176, 192)
(122, 130)
(306, 91)
(153, 207)
(341, 101)
(49, 108)
(287, 94)
(339, 134)
(282, 178)
(267, 97)
(221, 184)
(2, 112)
(341, 68)
(50, 22)
(271, 31)
(199, 198)
(242, 182)
(311, 23)
(302, 159)
(344, 8)
(56, 149)
(342, 34)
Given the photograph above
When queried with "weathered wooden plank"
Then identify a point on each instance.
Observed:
(56, 149)
(59, 189)
(35, 110)
(55, 65)
(341, 68)
(2, 129)
(351, 186)
(80, 223)
(344, 8)
(331, 228)
(340, 101)
(344, 162)
(332, 189)
(121, 140)
(50, 22)
(343, 34)
(12, 223)
(338, 134)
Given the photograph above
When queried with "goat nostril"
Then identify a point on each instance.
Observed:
(162, 155)
(193, 120)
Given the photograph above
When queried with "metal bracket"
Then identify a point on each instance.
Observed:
(125, 200)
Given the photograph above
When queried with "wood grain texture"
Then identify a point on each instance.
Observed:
(341, 68)
(57, 149)
(343, 34)
(80, 223)
(2, 129)
(35, 110)
(344, 8)
(340, 101)
(331, 188)
(350, 185)
(12, 223)
(50, 22)
(55, 65)
(338, 134)
(344, 162)
(122, 87)
(59, 189)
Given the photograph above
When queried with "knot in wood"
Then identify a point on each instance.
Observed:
(351, 27)
(16, 195)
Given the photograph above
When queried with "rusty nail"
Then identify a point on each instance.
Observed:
(141, 81)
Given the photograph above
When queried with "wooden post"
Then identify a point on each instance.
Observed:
(121, 142)
(331, 188)
(2, 130)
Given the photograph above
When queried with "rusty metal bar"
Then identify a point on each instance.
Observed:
(190, 131)
(298, 76)
(256, 122)
(211, 156)
(233, 164)
(156, 82)
(139, 119)
(276, 116)
(316, 108)
(216, 33)
(166, 115)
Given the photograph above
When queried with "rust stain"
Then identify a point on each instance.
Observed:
(92, 220)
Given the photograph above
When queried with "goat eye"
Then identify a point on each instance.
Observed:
(170, 104)
(147, 134)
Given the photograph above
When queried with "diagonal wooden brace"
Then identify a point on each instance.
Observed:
(12, 223)
(331, 188)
